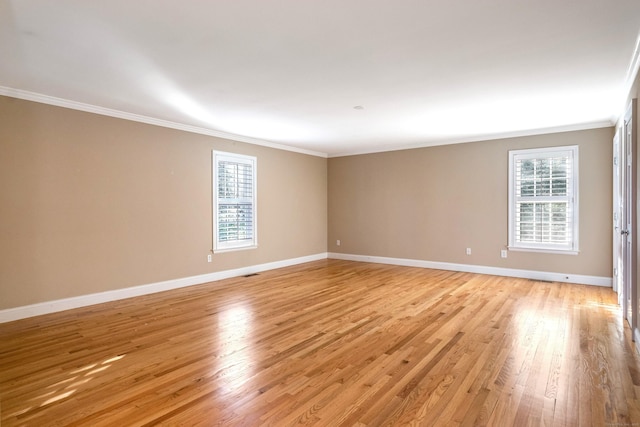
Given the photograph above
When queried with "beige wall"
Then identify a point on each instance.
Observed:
(432, 203)
(90, 203)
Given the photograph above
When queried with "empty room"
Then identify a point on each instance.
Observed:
(356, 213)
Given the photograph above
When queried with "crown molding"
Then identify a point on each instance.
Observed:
(483, 138)
(630, 79)
(634, 65)
(80, 106)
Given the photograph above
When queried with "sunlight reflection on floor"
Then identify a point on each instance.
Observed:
(68, 386)
(235, 327)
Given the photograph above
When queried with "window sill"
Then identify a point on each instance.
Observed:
(241, 248)
(543, 250)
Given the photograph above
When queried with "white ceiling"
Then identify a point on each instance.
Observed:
(290, 72)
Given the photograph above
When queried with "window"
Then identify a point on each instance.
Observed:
(543, 199)
(234, 200)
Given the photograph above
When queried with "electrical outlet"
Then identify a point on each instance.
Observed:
(337, 242)
(503, 253)
(468, 251)
(209, 258)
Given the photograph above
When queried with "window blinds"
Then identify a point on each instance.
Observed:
(235, 201)
(544, 195)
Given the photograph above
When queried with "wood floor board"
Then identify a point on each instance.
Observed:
(329, 343)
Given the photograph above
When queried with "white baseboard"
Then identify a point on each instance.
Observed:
(23, 312)
(468, 268)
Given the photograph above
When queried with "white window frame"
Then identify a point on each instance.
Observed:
(571, 198)
(217, 158)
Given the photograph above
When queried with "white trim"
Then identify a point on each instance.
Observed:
(481, 269)
(74, 105)
(17, 313)
(542, 251)
(234, 249)
(634, 66)
(103, 111)
(636, 338)
(483, 138)
(632, 73)
(23, 312)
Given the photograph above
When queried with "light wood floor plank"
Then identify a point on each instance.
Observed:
(329, 343)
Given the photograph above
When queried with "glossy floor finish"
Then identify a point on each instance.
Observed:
(329, 343)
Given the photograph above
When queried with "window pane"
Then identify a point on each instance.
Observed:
(526, 169)
(559, 167)
(559, 232)
(527, 188)
(542, 222)
(543, 171)
(542, 212)
(526, 212)
(526, 233)
(543, 188)
(235, 222)
(559, 212)
(559, 187)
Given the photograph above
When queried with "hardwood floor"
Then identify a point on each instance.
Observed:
(330, 343)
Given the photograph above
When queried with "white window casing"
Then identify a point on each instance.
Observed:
(543, 199)
(234, 202)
